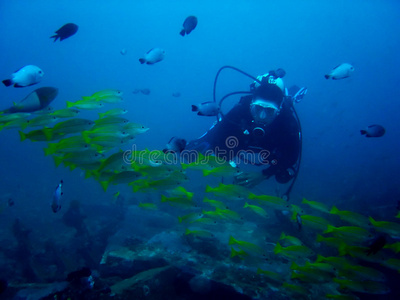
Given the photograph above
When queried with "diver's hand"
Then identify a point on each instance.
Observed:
(249, 180)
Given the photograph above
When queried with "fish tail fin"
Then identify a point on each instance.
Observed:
(278, 248)
(50, 149)
(246, 205)
(363, 132)
(57, 160)
(327, 76)
(232, 241)
(206, 172)
(209, 189)
(195, 108)
(7, 82)
(320, 238)
(252, 196)
(101, 115)
(372, 221)
(70, 165)
(104, 185)
(22, 135)
(70, 104)
(184, 166)
(164, 198)
(142, 60)
(55, 37)
(294, 266)
(334, 210)
(182, 33)
(329, 229)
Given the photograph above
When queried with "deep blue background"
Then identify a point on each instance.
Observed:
(306, 38)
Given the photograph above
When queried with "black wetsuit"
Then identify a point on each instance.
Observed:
(235, 134)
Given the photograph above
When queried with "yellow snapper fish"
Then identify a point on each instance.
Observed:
(215, 203)
(364, 286)
(108, 120)
(353, 218)
(135, 129)
(41, 121)
(180, 191)
(199, 233)
(190, 218)
(72, 126)
(316, 205)
(391, 228)
(229, 191)
(169, 182)
(271, 275)
(40, 135)
(115, 162)
(205, 162)
(85, 104)
(274, 202)
(258, 210)
(349, 233)
(148, 206)
(119, 178)
(222, 171)
(65, 113)
(288, 240)
(98, 96)
(248, 247)
(317, 223)
(293, 252)
(86, 157)
(115, 112)
(183, 202)
(70, 144)
(223, 214)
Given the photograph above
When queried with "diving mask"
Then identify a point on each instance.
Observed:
(263, 112)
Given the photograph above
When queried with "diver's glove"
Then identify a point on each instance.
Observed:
(249, 180)
(300, 95)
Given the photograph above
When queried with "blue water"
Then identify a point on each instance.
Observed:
(307, 39)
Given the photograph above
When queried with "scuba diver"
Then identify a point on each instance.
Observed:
(263, 129)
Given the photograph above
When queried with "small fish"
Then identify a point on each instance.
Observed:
(113, 112)
(145, 91)
(56, 203)
(206, 109)
(189, 24)
(373, 131)
(153, 56)
(26, 76)
(65, 31)
(341, 71)
(176, 94)
(123, 51)
(175, 145)
(11, 202)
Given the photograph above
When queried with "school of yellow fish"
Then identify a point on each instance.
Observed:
(332, 259)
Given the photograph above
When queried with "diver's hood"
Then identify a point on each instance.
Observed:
(270, 92)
